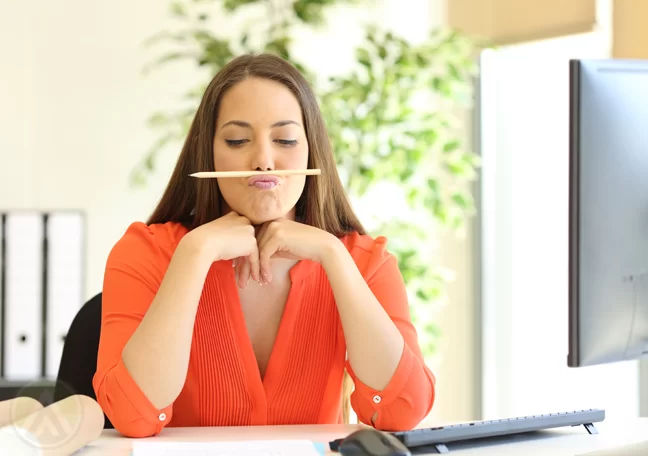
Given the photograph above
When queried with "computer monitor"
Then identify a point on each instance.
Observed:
(608, 211)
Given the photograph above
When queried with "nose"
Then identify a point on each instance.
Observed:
(263, 159)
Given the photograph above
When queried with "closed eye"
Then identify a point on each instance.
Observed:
(240, 142)
(287, 142)
(235, 142)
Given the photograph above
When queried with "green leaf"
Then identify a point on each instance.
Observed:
(440, 211)
(149, 162)
(422, 295)
(454, 72)
(451, 146)
(367, 173)
(362, 56)
(412, 196)
(432, 329)
(232, 5)
(459, 168)
(158, 119)
(456, 221)
(461, 200)
(309, 12)
(178, 9)
(279, 46)
(433, 185)
(473, 160)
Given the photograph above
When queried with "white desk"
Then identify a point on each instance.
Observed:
(569, 441)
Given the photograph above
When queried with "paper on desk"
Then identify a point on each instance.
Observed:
(248, 448)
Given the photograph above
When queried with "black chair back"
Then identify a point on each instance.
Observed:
(79, 357)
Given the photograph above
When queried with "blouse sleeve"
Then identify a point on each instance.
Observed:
(133, 274)
(409, 396)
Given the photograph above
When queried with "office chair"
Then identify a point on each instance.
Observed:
(79, 357)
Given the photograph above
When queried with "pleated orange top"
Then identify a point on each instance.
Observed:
(303, 380)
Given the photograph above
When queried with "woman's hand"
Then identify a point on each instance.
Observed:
(230, 237)
(292, 240)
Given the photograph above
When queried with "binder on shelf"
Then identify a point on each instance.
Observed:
(42, 273)
(24, 241)
(64, 277)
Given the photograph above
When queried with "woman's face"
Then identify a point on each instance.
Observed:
(259, 128)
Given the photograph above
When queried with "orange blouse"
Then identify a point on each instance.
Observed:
(303, 382)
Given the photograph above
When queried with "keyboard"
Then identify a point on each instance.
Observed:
(439, 437)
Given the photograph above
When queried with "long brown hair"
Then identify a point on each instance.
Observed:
(194, 202)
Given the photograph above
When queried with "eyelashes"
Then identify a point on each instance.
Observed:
(235, 142)
(287, 142)
(239, 142)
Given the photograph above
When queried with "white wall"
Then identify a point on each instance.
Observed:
(525, 148)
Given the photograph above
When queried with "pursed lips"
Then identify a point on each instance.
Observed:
(263, 182)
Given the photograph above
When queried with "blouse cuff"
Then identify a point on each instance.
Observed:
(158, 418)
(393, 390)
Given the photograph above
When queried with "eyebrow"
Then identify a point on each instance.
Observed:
(243, 124)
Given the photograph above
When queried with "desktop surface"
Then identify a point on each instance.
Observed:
(562, 441)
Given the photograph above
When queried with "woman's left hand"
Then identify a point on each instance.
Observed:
(292, 240)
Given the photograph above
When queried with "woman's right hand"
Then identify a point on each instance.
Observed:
(230, 237)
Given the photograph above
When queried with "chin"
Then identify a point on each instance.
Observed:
(258, 217)
(260, 210)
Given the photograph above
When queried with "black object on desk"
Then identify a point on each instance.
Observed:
(440, 437)
(371, 442)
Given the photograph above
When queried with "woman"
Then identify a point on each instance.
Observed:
(243, 302)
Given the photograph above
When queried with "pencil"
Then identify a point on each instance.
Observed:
(280, 172)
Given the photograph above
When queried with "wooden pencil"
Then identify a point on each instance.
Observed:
(280, 172)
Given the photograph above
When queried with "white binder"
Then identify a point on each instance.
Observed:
(24, 242)
(64, 282)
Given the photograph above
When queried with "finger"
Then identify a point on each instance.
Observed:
(244, 272)
(262, 239)
(236, 269)
(267, 248)
(260, 235)
(262, 230)
(253, 261)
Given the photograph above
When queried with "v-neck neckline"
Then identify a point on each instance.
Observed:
(262, 389)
